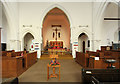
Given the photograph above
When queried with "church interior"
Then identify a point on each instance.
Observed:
(56, 41)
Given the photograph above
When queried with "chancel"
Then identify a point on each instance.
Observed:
(66, 41)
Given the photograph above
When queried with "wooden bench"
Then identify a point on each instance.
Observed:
(4, 53)
(87, 60)
(13, 64)
(30, 59)
(82, 59)
(11, 67)
(102, 75)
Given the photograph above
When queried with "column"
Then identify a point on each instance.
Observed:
(0, 59)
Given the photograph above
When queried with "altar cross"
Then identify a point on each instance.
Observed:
(56, 30)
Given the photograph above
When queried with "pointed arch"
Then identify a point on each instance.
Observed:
(83, 42)
(30, 34)
(86, 31)
(56, 16)
(102, 9)
(28, 31)
(28, 41)
(23, 33)
(61, 8)
(55, 11)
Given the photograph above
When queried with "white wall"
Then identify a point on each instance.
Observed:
(79, 13)
(0, 14)
(4, 28)
(11, 12)
(109, 27)
(103, 31)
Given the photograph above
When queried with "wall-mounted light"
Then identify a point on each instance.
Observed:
(83, 25)
(27, 25)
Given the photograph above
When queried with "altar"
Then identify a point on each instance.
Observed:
(60, 51)
(56, 44)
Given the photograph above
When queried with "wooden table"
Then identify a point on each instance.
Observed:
(52, 75)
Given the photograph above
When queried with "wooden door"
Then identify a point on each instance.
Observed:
(83, 46)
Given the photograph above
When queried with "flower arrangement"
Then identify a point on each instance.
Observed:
(54, 62)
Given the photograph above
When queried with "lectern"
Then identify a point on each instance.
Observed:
(53, 64)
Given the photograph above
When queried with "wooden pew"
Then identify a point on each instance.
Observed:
(97, 64)
(4, 53)
(104, 48)
(82, 59)
(101, 75)
(101, 63)
(87, 59)
(11, 67)
(18, 53)
(13, 64)
(92, 53)
(111, 55)
(30, 59)
(116, 54)
(103, 55)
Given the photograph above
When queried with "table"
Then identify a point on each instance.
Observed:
(52, 75)
(110, 62)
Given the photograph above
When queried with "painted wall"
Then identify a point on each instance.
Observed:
(56, 16)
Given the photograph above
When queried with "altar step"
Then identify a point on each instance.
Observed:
(60, 57)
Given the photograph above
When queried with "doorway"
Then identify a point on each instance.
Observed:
(83, 46)
(28, 40)
(82, 42)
